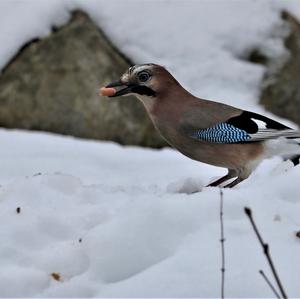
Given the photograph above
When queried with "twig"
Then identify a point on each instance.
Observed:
(265, 247)
(222, 240)
(269, 283)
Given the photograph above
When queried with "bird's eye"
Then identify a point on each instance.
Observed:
(143, 76)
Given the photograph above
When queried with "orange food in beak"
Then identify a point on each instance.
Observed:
(107, 91)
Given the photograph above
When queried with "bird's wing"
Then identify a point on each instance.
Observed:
(240, 126)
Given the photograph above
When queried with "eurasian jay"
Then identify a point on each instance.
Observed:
(206, 131)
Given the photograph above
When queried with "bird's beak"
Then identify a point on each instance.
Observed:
(122, 88)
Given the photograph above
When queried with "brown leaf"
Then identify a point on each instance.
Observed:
(56, 276)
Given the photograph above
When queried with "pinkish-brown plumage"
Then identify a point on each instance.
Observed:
(179, 117)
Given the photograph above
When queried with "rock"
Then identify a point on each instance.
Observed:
(52, 85)
(281, 92)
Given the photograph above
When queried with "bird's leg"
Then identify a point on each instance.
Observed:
(234, 183)
(219, 181)
(231, 174)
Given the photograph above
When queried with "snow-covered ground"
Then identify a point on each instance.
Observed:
(142, 234)
(117, 221)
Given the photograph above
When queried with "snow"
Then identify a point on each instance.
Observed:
(113, 221)
(124, 222)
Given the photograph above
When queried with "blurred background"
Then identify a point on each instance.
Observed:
(55, 55)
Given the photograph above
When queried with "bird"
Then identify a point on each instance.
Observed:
(203, 130)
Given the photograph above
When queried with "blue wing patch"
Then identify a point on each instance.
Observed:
(222, 133)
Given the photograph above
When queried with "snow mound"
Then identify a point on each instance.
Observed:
(132, 226)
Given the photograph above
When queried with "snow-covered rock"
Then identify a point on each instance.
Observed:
(52, 85)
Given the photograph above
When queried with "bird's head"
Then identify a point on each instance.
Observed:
(144, 80)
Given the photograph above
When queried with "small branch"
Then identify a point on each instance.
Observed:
(269, 283)
(222, 240)
(265, 247)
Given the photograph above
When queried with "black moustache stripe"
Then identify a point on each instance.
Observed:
(143, 90)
